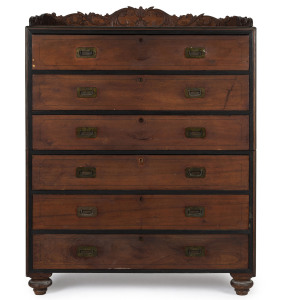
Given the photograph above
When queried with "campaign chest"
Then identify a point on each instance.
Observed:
(140, 145)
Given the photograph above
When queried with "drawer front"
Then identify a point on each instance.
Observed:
(130, 251)
(140, 52)
(141, 92)
(140, 132)
(148, 172)
(180, 212)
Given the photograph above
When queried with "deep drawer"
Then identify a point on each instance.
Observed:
(140, 92)
(140, 52)
(131, 251)
(184, 212)
(147, 172)
(140, 132)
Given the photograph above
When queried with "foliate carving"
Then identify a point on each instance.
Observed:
(137, 17)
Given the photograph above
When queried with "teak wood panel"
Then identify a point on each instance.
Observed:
(140, 132)
(132, 251)
(140, 92)
(226, 212)
(140, 52)
(147, 172)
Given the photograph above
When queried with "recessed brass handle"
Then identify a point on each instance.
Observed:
(86, 52)
(86, 92)
(195, 172)
(85, 172)
(194, 211)
(194, 52)
(194, 92)
(87, 251)
(195, 132)
(83, 211)
(86, 132)
(195, 251)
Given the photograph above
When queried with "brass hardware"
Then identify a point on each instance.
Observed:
(83, 211)
(141, 160)
(86, 52)
(195, 251)
(195, 132)
(195, 172)
(33, 66)
(85, 172)
(194, 52)
(194, 211)
(86, 132)
(87, 251)
(194, 92)
(86, 92)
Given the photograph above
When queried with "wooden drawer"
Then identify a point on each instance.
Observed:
(130, 251)
(147, 172)
(141, 92)
(140, 132)
(140, 52)
(181, 212)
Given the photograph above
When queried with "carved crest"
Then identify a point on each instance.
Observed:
(137, 17)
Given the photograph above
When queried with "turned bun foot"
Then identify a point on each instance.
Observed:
(40, 283)
(241, 283)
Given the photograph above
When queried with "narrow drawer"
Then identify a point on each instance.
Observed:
(140, 52)
(117, 251)
(148, 172)
(140, 92)
(180, 212)
(52, 132)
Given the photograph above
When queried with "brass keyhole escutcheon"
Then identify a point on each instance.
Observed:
(141, 120)
(141, 160)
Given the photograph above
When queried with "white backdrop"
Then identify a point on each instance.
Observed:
(267, 18)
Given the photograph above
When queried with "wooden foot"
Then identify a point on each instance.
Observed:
(40, 282)
(241, 283)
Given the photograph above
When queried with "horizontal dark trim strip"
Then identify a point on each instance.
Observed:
(140, 271)
(133, 31)
(140, 231)
(140, 72)
(140, 152)
(139, 192)
(140, 112)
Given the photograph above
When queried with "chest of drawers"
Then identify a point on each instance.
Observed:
(140, 145)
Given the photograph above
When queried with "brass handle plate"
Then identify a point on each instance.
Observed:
(87, 251)
(194, 52)
(194, 92)
(85, 172)
(83, 211)
(195, 172)
(86, 52)
(86, 132)
(194, 211)
(195, 251)
(195, 132)
(86, 92)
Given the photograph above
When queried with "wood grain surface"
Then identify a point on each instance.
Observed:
(221, 212)
(147, 172)
(140, 132)
(140, 92)
(130, 251)
(140, 52)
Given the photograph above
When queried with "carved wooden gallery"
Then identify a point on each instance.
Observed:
(140, 145)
